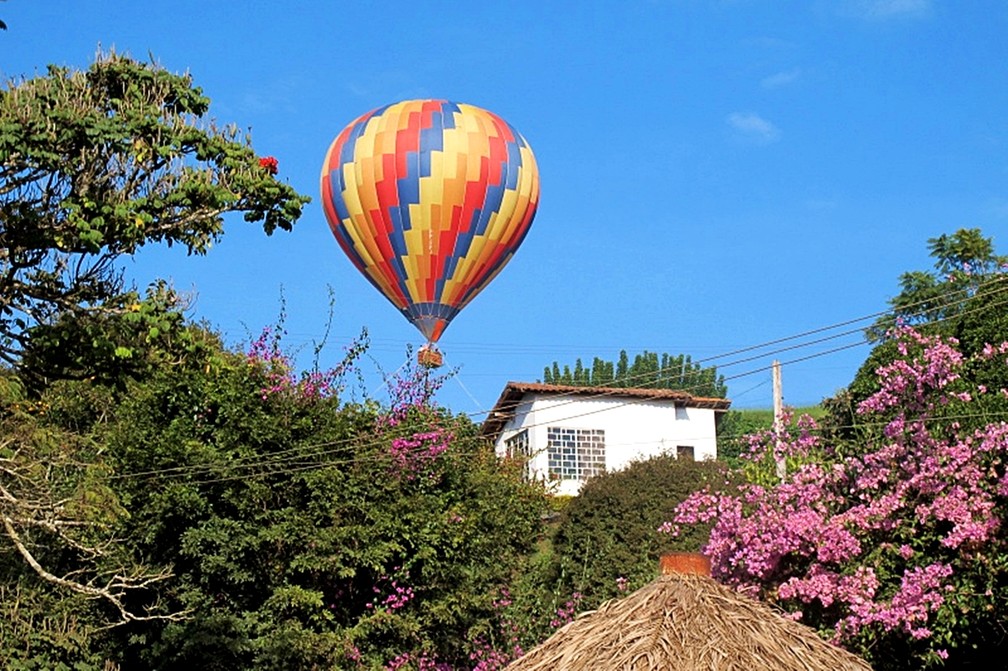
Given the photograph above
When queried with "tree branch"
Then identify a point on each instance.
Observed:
(113, 591)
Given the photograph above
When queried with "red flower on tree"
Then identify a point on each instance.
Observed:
(270, 163)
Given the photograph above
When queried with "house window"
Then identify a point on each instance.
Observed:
(517, 447)
(575, 454)
(685, 452)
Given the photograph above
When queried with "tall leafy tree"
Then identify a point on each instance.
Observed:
(96, 164)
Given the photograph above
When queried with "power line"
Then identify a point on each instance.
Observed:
(950, 301)
(297, 452)
(501, 348)
(333, 447)
(306, 461)
(575, 396)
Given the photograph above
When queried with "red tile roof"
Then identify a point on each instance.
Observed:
(514, 392)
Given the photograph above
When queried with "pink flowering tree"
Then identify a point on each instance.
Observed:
(893, 547)
(283, 378)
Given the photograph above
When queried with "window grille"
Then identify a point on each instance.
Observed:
(517, 447)
(575, 454)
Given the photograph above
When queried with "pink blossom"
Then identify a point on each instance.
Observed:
(841, 533)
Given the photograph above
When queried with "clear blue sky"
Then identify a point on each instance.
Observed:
(716, 174)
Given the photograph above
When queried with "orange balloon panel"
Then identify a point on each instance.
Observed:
(430, 199)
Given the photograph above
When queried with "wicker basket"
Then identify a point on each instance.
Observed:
(429, 357)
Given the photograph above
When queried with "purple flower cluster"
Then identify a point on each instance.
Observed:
(873, 540)
(413, 455)
(391, 594)
(566, 612)
(487, 657)
(420, 662)
(281, 379)
(410, 389)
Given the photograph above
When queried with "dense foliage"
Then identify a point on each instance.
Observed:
(305, 533)
(934, 300)
(61, 570)
(894, 547)
(647, 371)
(299, 532)
(95, 165)
(605, 542)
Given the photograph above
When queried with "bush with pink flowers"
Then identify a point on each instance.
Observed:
(896, 547)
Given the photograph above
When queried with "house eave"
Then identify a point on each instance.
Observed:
(515, 392)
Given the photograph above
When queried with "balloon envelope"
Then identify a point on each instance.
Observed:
(429, 199)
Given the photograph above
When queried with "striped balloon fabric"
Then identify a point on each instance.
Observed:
(430, 199)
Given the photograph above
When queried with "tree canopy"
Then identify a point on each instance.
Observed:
(965, 297)
(649, 370)
(96, 164)
(964, 262)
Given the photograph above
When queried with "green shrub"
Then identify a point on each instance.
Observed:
(607, 541)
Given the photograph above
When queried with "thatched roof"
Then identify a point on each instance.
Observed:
(686, 622)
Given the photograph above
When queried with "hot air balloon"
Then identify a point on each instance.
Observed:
(429, 199)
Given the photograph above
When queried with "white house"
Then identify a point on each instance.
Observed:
(569, 434)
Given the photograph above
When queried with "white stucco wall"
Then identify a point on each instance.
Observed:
(634, 429)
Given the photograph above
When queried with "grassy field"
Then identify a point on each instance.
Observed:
(764, 417)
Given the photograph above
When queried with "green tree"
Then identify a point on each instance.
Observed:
(602, 372)
(964, 262)
(965, 297)
(96, 164)
(606, 541)
(647, 371)
(305, 533)
(581, 375)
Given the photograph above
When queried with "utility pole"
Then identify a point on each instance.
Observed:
(778, 414)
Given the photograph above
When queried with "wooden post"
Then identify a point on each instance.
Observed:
(778, 415)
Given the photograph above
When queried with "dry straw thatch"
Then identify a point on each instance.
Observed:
(686, 622)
